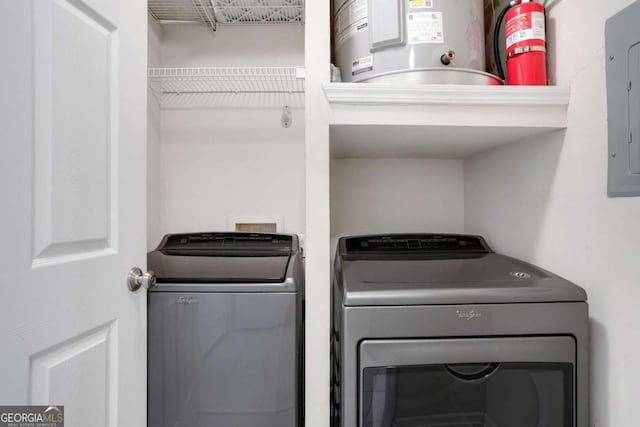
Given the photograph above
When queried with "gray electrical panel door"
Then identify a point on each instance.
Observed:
(622, 38)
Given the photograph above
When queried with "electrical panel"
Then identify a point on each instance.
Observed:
(622, 40)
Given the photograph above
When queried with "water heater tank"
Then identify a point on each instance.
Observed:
(411, 41)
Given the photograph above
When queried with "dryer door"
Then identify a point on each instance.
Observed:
(486, 382)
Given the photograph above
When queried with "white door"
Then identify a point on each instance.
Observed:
(72, 207)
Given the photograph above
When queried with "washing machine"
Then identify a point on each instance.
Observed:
(438, 330)
(225, 331)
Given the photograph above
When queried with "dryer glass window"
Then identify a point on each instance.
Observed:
(469, 395)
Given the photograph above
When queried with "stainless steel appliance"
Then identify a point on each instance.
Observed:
(438, 330)
(225, 331)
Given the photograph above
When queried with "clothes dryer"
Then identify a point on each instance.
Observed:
(438, 330)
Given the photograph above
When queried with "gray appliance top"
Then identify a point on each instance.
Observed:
(419, 269)
(224, 261)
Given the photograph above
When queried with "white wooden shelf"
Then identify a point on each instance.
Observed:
(438, 121)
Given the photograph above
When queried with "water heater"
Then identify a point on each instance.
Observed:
(412, 41)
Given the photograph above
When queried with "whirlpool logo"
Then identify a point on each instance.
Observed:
(186, 300)
(468, 314)
(31, 416)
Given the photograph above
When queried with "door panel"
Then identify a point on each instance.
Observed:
(74, 78)
(72, 178)
(70, 362)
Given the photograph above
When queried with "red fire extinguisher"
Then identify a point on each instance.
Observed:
(525, 38)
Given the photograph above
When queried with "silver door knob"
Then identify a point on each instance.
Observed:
(136, 278)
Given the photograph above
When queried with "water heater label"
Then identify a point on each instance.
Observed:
(425, 27)
(351, 19)
(362, 65)
(421, 4)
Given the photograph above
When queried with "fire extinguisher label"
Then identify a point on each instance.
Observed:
(527, 26)
(425, 27)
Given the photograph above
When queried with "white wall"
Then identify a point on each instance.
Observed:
(544, 200)
(228, 156)
(396, 195)
(233, 46)
(154, 59)
(205, 184)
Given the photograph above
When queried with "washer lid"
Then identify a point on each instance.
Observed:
(440, 269)
(222, 258)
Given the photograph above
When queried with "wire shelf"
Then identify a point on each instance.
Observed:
(259, 11)
(228, 86)
(228, 12)
(183, 11)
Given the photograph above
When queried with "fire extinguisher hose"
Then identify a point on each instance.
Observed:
(496, 39)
